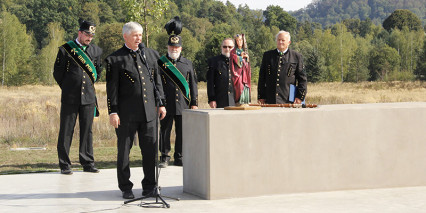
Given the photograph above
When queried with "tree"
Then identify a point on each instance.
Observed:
(421, 64)
(383, 60)
(400, 18)
(276, 16)
(218, 13)
(46, 58)
(37, 14)
(16, 50)
(211, 48)
(198, 26)
(111, 38)
(353, 25)
(106, 14)
(147, 12)
(359, 61)
(365, 27)
(90, 12)
(328, 48)
(311, 61)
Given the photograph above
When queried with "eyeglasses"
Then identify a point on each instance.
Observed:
(229, 47)
(88, 35)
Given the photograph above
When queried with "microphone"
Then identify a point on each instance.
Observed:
(141, 47)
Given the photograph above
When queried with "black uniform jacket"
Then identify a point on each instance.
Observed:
(219, 82)
(277, 73)
(76, 86)
(175, 101)
(130, 92)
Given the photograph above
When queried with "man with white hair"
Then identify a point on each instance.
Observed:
(180, 89)
(132, 76)
(281, 69)
(220, 90)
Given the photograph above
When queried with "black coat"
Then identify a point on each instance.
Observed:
(277, 73)
(175, 101)
(219, 82)
(130, 92)
(76, 86)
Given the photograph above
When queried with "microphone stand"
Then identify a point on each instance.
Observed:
(155, 193)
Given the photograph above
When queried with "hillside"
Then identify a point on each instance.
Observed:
(329, 12)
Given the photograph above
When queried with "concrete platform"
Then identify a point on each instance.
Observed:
(300, 150)
(85, 192)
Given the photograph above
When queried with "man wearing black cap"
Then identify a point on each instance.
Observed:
(77, 67)
(180, 89)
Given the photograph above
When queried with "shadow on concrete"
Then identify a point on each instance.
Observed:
(109, 195)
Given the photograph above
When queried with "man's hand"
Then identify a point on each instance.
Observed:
(261, 101)
(114, 120)
(162, 112)
(212, 104)
(194, 107)
(297, 101)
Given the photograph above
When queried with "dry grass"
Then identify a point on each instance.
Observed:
(366, 92)
(29, 117)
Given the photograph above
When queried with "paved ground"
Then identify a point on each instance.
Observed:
(85, 192)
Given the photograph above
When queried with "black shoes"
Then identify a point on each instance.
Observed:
(128, 194)
(91, 169)
(178, 162)
(163, 164)
(66, 171)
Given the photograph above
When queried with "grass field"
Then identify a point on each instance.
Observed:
(29, 117)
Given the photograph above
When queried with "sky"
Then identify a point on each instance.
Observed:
(287, 5)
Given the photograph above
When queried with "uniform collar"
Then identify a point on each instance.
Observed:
(285, 51)
(173, 60)
(130, 48)
(76, 41)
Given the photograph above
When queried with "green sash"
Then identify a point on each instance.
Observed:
(81, 59)
(78, 55)
(176, 76)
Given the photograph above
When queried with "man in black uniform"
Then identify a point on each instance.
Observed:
(280, 68)
(77, 67)
(180, 89)
(220, 91)
(132, 77)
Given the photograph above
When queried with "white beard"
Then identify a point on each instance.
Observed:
(227, 54)
(173, 55)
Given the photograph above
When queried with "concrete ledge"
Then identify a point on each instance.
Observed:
(280, 150)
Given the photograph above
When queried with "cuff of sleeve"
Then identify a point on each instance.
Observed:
(112, 109)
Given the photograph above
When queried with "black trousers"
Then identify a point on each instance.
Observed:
(165, 130)
(147, 136)
(68, 119)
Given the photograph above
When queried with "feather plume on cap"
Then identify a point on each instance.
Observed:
(174, 25)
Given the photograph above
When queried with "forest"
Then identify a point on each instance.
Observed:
(341, 40)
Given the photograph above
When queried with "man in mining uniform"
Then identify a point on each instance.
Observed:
(180, 89)
(281, 69)
(77, 67)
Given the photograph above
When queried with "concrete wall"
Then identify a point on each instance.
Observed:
(230, 153)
